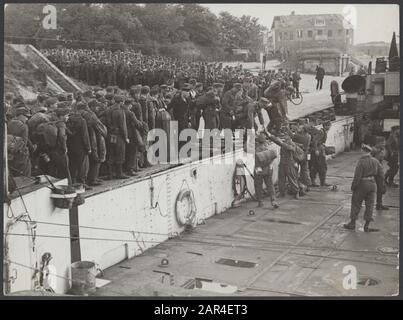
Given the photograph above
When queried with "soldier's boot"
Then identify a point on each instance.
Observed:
(313, 184)
(110, 172)
(381, 207)
(350, 225)
(301, 192)
(366, 226)
(260, 204)
(119, 172)
(274, 204)
(323, 182)
(296, 196)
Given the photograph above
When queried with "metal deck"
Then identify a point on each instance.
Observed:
(299, 249)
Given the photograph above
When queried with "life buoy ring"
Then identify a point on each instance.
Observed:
(239, 180)
(185, 207)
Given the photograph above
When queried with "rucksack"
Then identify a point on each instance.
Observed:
(48, 133)
(299, 154)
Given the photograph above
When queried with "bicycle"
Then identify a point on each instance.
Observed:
(295, 98)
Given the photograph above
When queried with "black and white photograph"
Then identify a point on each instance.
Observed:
(198, 150)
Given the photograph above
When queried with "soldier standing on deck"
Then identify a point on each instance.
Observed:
(227, 112)
(367, 173)
(117, 138)
(318, 157)
(264, 170)
(78, 145)
(288, 167)
(392, 156)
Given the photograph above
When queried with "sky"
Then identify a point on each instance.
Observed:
(374, 22)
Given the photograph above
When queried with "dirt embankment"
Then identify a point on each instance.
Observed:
(21, 77)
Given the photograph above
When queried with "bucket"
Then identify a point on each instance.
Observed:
(79, 199)
(63, 196)
(83, 277)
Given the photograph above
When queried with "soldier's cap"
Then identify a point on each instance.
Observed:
(261, 138)
(81, 105)
(145, 90)
(199, 85)
(50, 101)
(118, 98)
(237, 85)
(264, 100)
(109, 89)
(102, 99)
(375, 151)
(109, 96)
(92, 103)
(41, 97)
(61, 97)
(62, 111)
(88, 94)
(22, 111)
(163, 87)
(129, 101)
(218, 85)
(63, 104)
(210, 94)
(186, 87)
(209, 88)
(366, 147)
(39, 109)
(9, 96)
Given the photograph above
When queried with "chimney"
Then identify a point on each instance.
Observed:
(293, 13)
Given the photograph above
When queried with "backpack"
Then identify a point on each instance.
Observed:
(48, 132)
(299, 154)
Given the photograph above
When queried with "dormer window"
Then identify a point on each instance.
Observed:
(319, 22)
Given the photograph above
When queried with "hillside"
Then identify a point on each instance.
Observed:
(21, 77)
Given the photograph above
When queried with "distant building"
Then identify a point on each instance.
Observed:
(306, 41)
(294, 32)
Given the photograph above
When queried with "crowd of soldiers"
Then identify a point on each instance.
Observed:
(103, 131)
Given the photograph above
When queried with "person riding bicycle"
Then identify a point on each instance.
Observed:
(296, 77)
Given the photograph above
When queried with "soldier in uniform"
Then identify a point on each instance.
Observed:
(367, 172)
(317, 164)
(392, 156)
(303, 138)
(117, 138)
(148, 117)
(288, 167)
(78, 145)
(264, 170)
(58, 155)
(227, 112)
(380, 184)
(209, 106)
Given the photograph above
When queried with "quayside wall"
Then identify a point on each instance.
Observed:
(124, 222)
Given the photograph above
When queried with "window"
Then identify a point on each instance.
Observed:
(291, 35)
(340, 32)
(329, 33)
(347, 31)
(320, 32)
(299, 34)
(285, 35)
(319, 22)
(310, 34)
(280, 36)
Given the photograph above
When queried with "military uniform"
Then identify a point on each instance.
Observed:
(367, 172)
(79, 147)
(263, 171)
(288, 167)
(317, 164)
(304, 139)
(117, 138)
(392, 158)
